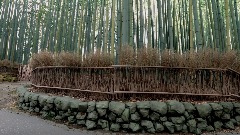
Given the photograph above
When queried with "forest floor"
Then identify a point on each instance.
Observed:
(13, 121)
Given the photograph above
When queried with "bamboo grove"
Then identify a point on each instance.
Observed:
(84, 26)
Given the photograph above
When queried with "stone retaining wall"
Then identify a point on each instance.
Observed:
(149, 116)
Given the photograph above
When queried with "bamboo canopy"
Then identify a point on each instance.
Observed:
(84, 26)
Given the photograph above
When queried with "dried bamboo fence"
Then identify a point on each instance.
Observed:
(127, 80)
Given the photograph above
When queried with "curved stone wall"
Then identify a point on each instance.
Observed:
(149, 116)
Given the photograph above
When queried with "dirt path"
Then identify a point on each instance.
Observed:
(8, 94)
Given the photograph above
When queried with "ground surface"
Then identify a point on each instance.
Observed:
(13, 122)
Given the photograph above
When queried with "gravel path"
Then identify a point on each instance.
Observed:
(13, 122)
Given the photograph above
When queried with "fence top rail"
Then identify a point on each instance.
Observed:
(71, 67)
(232, 70)
(130, 66)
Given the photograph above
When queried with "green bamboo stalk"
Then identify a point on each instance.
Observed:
(199, 41)
(149, 24)
(141, 25)
(228, 44)
(113, 27)
(94, 23)
(125, 22)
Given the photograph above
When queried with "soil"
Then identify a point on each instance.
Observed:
(8, 94)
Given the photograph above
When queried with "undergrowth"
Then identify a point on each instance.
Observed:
(7, 63)
(143, 57)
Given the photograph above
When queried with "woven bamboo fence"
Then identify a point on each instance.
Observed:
(139, 80)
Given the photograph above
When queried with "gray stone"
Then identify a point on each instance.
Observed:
(227, 106)
(81, 122)
(36, 110)
(237, 110)
(175, 107)
(92, 116)
(178, 127)
(33, 103)
(209, 128)
(58, 117)
(21, 100)
(198, 131)
(34, 97)
(218, 114)
(45, 108)
(83, 106)
(125, 126)
(184, 128)
(143, 105)
(27, 96)
(169, 126)
(192, 125)
(218, 125)
(52, 113)
(202, 125)
(154, 116)
(177, 120)
(74, 104)
(204, 110)
(159, 107)
(102, 112)
(190, 108)
(45, 115)
(115, 127)
(229, 125)
(216, 106)
(135, 117)
(151, 130)
(61, 112)
(57, 102)
(91, 124)
(163, 119)
(81, 116)
(31, 109)
(50, 106)
(234, 121)
(116, 107)
(186, 115)
(103, 123)
(236, 105)
(144, 112)
(91, 106)
(42, 99)
(200, 120)
(146, 124)
(125, 115)
(135, 127)
(102, 104)
(159, 127)
(119, 120)
(25, 108)
(65, 103)
(237, 118)
(67, 114)
(50, 99)
(112, 116)
(71, 119)
(226, 116)
(132, 107)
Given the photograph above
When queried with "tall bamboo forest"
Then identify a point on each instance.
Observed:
(84, 26)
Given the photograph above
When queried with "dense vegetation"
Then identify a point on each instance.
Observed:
(84, 26)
